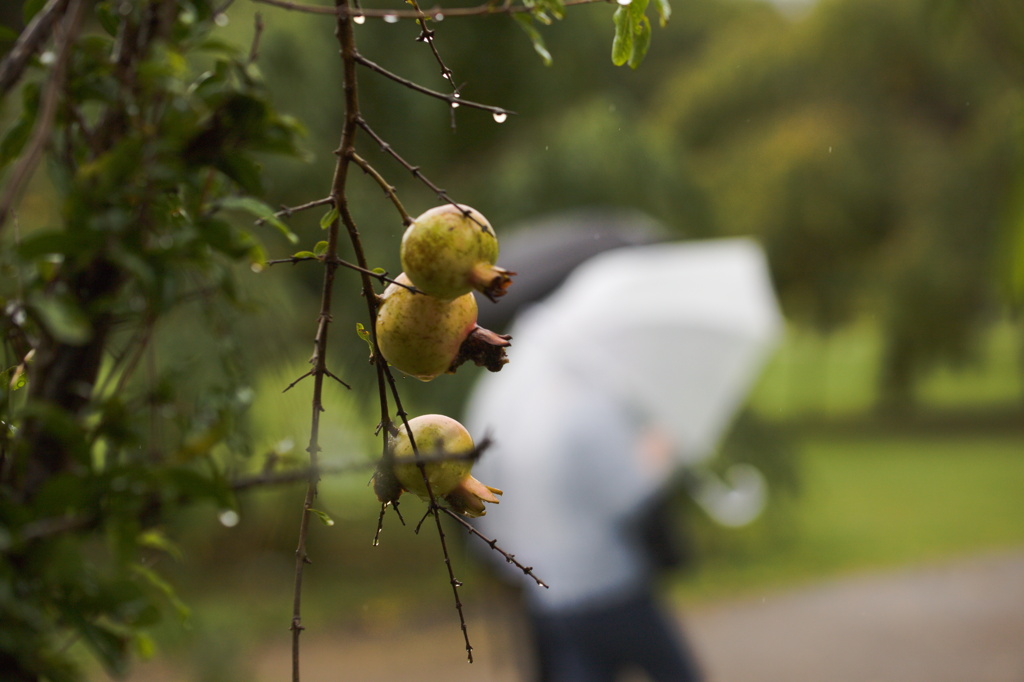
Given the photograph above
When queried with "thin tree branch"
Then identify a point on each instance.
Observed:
(427, 36)
(26, 165)
(388, 188)
(434, 12)
(417, 173)
(382, 277)
(28, 43)
(254, 49)
(415, 170)
(268, 478)
(493, 544)
(288, 211)
(453, 99)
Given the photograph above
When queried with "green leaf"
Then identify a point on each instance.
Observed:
(664, 11)
(151, 577)
(156, 539)
(637, 8)
(66, 243)
(145, 646)
(108, 18)
(242, 170)
(328, 218)
(526, 22)
(260, 210)
(303, 254)
(62, 318)
(14, 378)
(323, 516)
(110, 647)
(14, 141)
(364, 334)
(641, 42)
(622, 44)
(320, 248)
(220, 235)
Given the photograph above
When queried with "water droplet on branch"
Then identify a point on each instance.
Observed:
(359, 19)
(390, 18)
(500, 116)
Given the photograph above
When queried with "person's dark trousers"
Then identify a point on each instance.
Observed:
(599, 644)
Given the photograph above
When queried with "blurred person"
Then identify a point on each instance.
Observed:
(615, 383)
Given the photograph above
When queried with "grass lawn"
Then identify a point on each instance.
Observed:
(874, 501)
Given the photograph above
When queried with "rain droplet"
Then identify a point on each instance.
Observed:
(359, 19)
(455, 105)
(228, 518)
(439, 17)
(390, 18)
(222, 19)
(624, 2)
(500, 116)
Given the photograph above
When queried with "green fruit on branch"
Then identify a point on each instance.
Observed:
(425, 336)
(451, 250)
(447, 450)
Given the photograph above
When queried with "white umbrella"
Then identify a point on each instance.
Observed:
(676, 333)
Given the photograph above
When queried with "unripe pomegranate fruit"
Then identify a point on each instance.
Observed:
(437, 436)
(420, 334)
(426, 336)
(451, 250)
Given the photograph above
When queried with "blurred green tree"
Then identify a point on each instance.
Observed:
(872, 151)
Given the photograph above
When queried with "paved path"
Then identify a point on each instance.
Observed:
(959, 621)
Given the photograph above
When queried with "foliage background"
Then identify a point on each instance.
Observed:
(873, 147)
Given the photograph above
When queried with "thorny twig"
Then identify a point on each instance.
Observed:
(416, 172)
(388, 188)
(382, 277)
(453, 100)
(288, 211)
(427, 36)
(493, 544)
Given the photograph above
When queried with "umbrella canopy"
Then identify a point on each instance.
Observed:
(678, 331)
(673, 335)
(544, 252)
